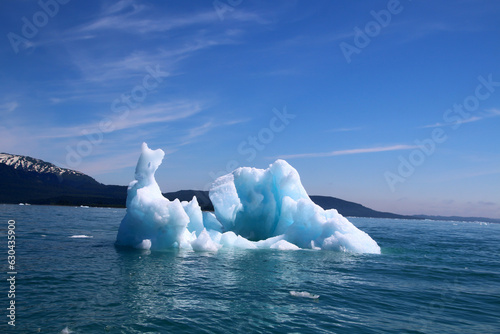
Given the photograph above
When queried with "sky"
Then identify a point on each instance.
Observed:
(391, 104)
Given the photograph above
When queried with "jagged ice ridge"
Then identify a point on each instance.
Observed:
(254, 208)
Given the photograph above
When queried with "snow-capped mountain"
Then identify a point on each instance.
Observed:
(29, 164)
(25, 179)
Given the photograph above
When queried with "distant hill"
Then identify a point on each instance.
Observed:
(351, 209)
(187, 195)
(28, 180)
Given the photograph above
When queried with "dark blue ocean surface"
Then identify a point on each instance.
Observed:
(432, 277)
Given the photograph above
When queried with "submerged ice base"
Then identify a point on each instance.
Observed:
(254, 208)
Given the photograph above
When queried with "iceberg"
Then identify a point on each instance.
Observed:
(152, 221)
(253, 209)
(259, 204)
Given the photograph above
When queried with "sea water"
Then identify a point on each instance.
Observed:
(432, 277)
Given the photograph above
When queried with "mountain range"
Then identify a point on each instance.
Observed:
(25, 179)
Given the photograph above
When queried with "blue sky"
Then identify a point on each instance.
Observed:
(392, 104)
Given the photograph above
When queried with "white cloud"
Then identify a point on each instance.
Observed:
(108, 164)
(196, 132)
(126, 15)
(346, 129)
(120, 6)
(488, 114)
(201, 130)
(8, 107)
(151, 115)
(347, 152)
(494, 112)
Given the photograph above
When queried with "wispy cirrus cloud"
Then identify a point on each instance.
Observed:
(128, 22)
(8, 107)
(149, 115)
(479, 117)
(198, 131)
(137, 18)
(346, 129)
(128, 67)
(351, 151)
(140, 25)
(107, 164)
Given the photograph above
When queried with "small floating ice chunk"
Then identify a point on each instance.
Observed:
(81, 236)
(304, 294)
(66, 330)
